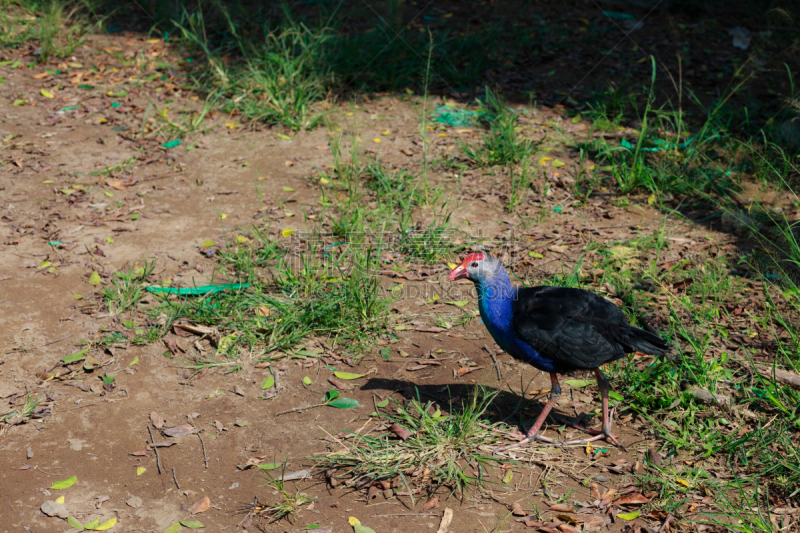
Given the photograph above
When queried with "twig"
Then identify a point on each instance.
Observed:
(298, 409)
(202, 444)
(665, 525)
(20, 514)
(80, 406)
(249, 513)
(158, 457)
(404, 514)
(494, 360)
(175, 478)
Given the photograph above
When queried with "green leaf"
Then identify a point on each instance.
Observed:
(287, 189)
(141, 470)
(94, 279)
(358, 528)
(107, 379)
(312, 526)
(307, 380)
(508, 477)
(578, 382)
(268, 383)
(270, 466)
(134, 362)
(135, 216)
(384, 403)
(458, 303)
(283, 137)
(64, 483)
(386, 352)
(331, 395)
(629, 516)
(74, 523)
(108, 524)
(73, 357)
(615, 396)
(348, 375)
(535, 255)
(192, 524)
(172, 144)
(93, 524)
(173, 528)
(344, 403)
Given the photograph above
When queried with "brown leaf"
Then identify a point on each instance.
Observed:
(517, 510)
(605, 501)
(330, 475)
(142, 453)
(171, 342)
(562, 507)
(163, 444)
(340, 384)
(430, 504)
(180, 431)
(372, 493)
(596, 491)
(594, 522)
(400, 431)
(201, 506)
(654, 456)
(566, 528)
(632, 499)
(156, 420)
(533, 523)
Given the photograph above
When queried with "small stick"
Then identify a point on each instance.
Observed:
(298, 409)
(404, 514)
(202, 444)
(175, 478)
(665, 525)
(249, 513)
(20, 515)
(494, 360)
(155, 448)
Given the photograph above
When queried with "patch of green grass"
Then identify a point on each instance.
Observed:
(279, 77)
(127, 288)
(289, 503)
(443, 450)
(503, 143)
(335, 294)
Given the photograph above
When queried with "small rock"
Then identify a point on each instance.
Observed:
(134, 501)
(51, 508)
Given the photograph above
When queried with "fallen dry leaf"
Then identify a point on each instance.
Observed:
(562, 507)
(400, 431)
(180, 431)
(430, 504)
(200, 506)
(156, 420)
(632, 499)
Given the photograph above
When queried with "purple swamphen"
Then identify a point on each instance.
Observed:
(556, 330)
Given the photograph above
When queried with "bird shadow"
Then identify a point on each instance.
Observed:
(504, 406)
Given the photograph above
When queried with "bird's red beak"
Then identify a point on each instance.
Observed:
(459, 272)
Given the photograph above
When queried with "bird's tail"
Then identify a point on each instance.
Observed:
(638, 340)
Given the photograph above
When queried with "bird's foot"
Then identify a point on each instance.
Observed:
(527, 440)
(590, 431)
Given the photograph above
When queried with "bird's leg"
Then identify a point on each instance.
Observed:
(605, 432)
(533, 433)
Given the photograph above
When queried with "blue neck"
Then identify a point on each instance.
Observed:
(495, 297)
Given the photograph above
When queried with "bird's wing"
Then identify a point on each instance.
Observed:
(573, 327)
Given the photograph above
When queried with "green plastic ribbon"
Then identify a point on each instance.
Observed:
(194, 291)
